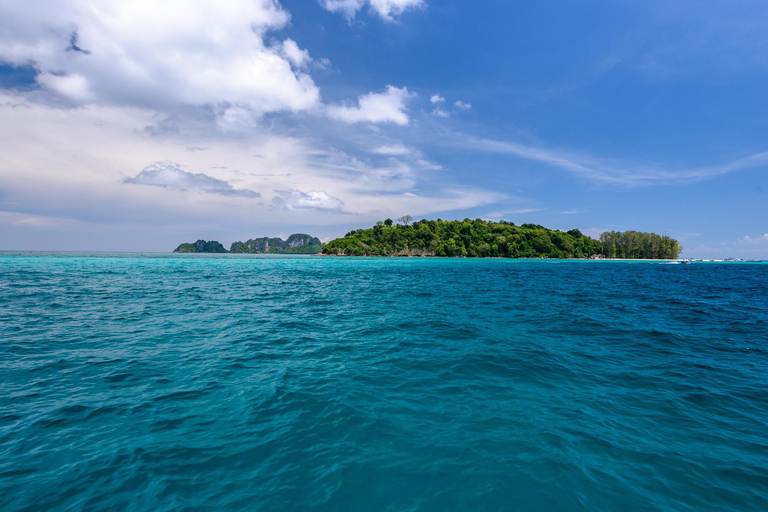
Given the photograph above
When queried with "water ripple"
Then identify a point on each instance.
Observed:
(238, 383)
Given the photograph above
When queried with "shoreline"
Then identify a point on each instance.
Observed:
(9, 252)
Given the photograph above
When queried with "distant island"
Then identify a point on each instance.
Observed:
(483, 239)
(298, 243)
(201, 246)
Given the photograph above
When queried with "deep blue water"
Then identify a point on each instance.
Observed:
(308, 383)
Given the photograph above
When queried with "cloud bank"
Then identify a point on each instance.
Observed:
(168, 176)
(159, 54)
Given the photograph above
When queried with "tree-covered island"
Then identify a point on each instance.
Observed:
(483, 239)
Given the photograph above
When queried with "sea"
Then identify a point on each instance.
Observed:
(149, 382)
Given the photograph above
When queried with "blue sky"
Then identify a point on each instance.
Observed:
(135, 127)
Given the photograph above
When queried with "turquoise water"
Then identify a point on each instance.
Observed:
(143, 382)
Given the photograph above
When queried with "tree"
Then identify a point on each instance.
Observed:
(388, 222)
(405, 219)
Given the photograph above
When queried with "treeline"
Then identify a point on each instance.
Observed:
(484, 239)
(638, 245)
(464, 238)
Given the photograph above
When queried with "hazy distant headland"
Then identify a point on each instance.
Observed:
(298, 243)
(482, 239)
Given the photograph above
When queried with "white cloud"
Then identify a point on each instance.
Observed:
(295, 55)
(388, 10)
(159, 54)
(464, 106)
(347, 7)
(438, 112)
(386, 107)
(392, 150)
(169, 176)
(749, 240)
(436, 98)
(292, 199)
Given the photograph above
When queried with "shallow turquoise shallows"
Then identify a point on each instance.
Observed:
(159, 383)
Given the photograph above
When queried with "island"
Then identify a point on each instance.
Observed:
(483, 239)
(298, 243)
(201, 246)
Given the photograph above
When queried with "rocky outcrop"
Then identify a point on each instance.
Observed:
(202, 246)
(299, 243)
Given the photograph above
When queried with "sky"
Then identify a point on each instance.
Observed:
(136, 126)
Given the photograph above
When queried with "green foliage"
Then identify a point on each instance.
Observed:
(638, 245)
(468, 238)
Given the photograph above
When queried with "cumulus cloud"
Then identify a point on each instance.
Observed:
(159, 55)
(292, 199)
(438, 112)
(295, 55)
(388, 10)
(464, 106)
(436, 98)
(169, 176)
(386, 107)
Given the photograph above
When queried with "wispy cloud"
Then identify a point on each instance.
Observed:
(392, 150)
(35, 221)
(464, 106)
(598, 170)
(507, 213)
(746, 239)
(168, 176)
